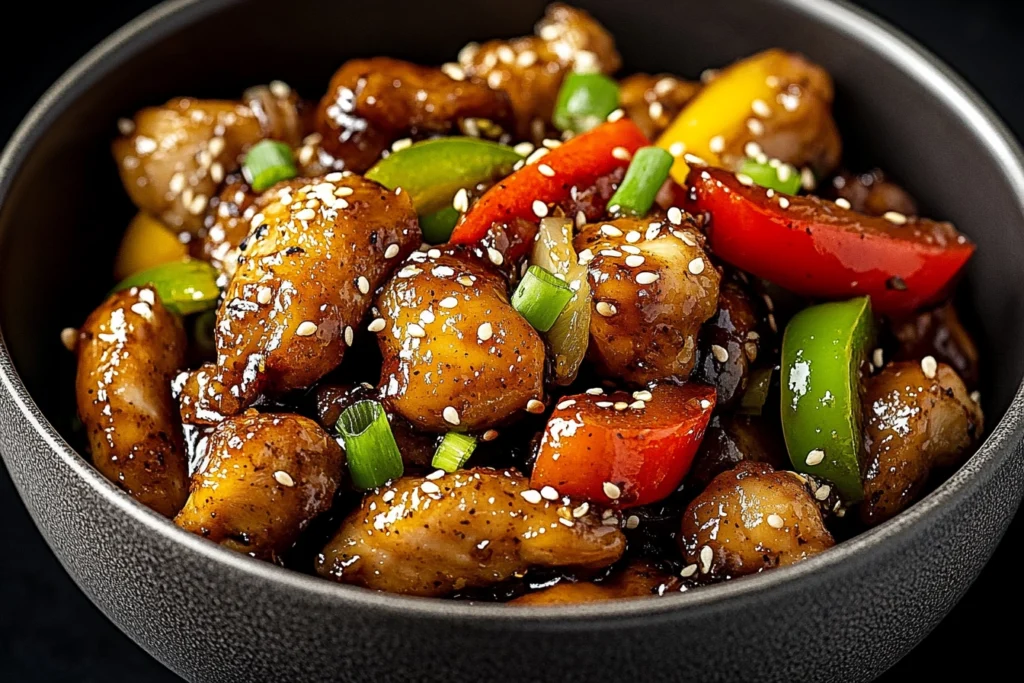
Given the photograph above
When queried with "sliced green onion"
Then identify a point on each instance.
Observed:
(645, 176)
(267, 163)
(453, 452)
(756, 395)
(540, 298)
(370, 447)
(184, 287)
(779, 177)
(584, 101)
(437, 227)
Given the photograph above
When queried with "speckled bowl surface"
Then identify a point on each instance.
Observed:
(213, 615)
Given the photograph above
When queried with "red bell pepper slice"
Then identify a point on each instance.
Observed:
(817, 248)
(576, 163)
(609, 449)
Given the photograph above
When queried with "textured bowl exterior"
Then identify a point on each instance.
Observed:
(212, 615)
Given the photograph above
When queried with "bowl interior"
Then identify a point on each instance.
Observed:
(65, 210)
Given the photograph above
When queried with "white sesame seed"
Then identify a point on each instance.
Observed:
(783, 203)
(634, 261)
(144, 145)
(677, 149)
(264, 295)
(646, 278)
(675, 215)
(399, 145)
(877, 358)
(620, 405)
(629, 249)
(823, 492)
(566, 404)
(752, 149)
(583, 508)
(720, 353)
(391, 251)
(616, 115)
(633, 236)
(546, 170)
(775, 521)
(655, 109)
(638, 405)
(929, 366)
(484, 332)
(895, 217)
(125, 126)
(549, 493)
(585, 257)
(632, 522)
(531, 496)
(761, 108)
(448, 302)
(429, 487)
(581, 219)
(306, 215)
(434, 254)
(688, 571)
(611, 253)
(643, 395)
(595, 391)
(306, 328)
(415, 330)
(540, 209)
(495, 256)
(176, 183)
(534, 406)
(807, 180)
(707, 556)
(815, 457)
(427, 316)
(621, 153)
(551, 143)
(376, 325)
(610, 230)
(744, 179)
(705, 404)
(843, 203)
(611, 490)
(716, 144)
(696, 266)
(363, 284)
(284, 479)
(755, 126)
(604, 404)
(350, 335)
(450, 415)
(69, 338)
(490, 435)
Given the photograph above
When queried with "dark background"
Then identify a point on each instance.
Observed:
(50, 632)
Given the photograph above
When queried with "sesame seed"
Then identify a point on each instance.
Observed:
(585, 257)
(534, 406)
(264, 295)
(620, 405)
(490, 435)
(877, 358)
(629, 249)
(604, 404)
(69, 338)
(716, 144)
(975, 396)
(391, 251)
(531, 496)
(415, 330)
(434, 254)
(399, 145)
(125, 126)
(646, 278)
(755, 126)
(526, 59)
(761, 108)
(707, 555)
(610, 230)
(583, 508)
(633, 237)
(775, 521)
(376, 325)
(484, 332)
(284, 479)
(675, 215)
(460, 202)
(537, 154)
(843, 203)
(595, 391)
(350, 335)
(549, 493)
(815, 457)
(551, 143)
(720, 353)
(632, 522)
(429, 487)
(612, 253)
(611, 490)
(426, 316)
(705, 404)
(677, 149)
(621, 153)
(540, 209)
(637, 405)
(409, 271)
(616, 115)
(634, 261)
(783, 203)
(752, 149)
(895, 217)
(566, 404)
(744, 179)
(655, 110)
(306, 328)
(688, 571)
(448, 302)
(363, 284)
(546, 170)
(450, 415)
(495, 256)
(643, 395)
(807, 180)
(929, 366)
(306, 215)
(822, 492)
(177, 183)
(696, 266)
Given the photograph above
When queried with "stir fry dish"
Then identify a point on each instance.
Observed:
(516, 329)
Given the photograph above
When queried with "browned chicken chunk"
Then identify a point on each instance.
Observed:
(370, 103)
(129, 350)
(749, 519)
(872, 194)
(653, 287)
(530, 69)
(728, 345)
(173, 158)
(472, 528)
(456, 354)
(654, 100)
(639, 579)
(227, 224)
(731, 439)
(917, 415)
(262, 479)
(305, 279)
(938, 332)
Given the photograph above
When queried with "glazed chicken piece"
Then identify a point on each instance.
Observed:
(728, 345)
(262, 479)
(370, 103)
(129, 350)
(531, 68)
(653, 287)
(173, 158)
(749, 519)
(872, 194)
(305, 278)
(638, 579)
(731, 439)
(938, 332)
(456, 354)
(917, 417)
(472, 528)
(654, 100)
(227, 224)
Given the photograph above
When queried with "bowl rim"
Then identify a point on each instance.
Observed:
(868, 30)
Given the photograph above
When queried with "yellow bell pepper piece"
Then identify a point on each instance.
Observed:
(720, 112)
(146, 243)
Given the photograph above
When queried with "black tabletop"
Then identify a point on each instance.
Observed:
(50, 632)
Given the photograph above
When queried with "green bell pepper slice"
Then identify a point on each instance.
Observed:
(584, 101)
(184, 287)
(824, 351)
(432, 171)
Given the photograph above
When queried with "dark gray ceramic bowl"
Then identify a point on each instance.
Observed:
(213, 615)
